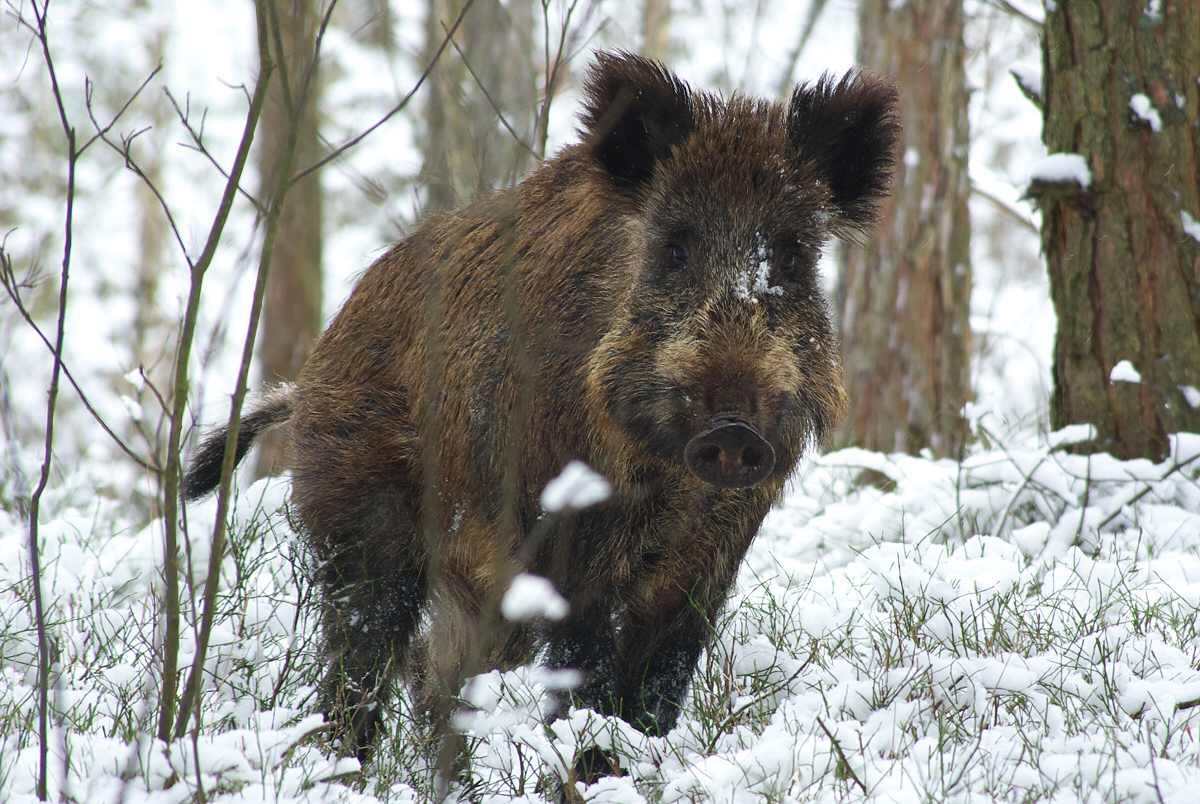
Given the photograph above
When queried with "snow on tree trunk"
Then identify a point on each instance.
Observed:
(1121, 91)
(904, 297)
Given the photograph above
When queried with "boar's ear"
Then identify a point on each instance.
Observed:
(634, 111)
(849, 129)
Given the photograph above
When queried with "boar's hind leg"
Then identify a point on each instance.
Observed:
(372, 574)
(370, 614)
(355, 485)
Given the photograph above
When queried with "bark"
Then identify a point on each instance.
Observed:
(291, 319)
(487, 72)
(1123, 254)
(904, 298)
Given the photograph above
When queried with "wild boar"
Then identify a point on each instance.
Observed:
(647, 302)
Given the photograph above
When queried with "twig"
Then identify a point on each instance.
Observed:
(553, 74)
(1026, 479)
(131, 164)
(169, 722)
(43, 683)
(341, 149)
(488, 96)
(8, 279)
(815, 7)
(1005, 208)
(732, 717)
(1181, 706)
(101, 131)
(1146, 490)
(184, 115)
(842, 756)
(180, 396)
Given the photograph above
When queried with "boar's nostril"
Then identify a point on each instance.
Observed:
(730, 455)
(752, 457)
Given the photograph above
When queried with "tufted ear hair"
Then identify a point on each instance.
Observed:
(848, 130)
(634, 111)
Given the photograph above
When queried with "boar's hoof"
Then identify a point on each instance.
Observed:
(730, 456)
(595, 763)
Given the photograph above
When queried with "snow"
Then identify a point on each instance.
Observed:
(1144, 110)
(530, 597)
(1029, 76)
(1071, 434)
(1025, 596)
(577, 486)
(1017, 625)
(1061, 168)
(1124, 371)
(1191, 226)
(755, 279)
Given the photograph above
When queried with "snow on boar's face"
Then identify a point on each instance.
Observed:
(721, 353)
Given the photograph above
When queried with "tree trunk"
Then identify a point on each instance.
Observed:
(486, 72)
(291, 317)
(904, 298)
(152, 333)
(656, 29)
(1124, 253)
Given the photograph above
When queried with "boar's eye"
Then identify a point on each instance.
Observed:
(679, 255)
(788, 265)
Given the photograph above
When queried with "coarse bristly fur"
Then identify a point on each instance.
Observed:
(647, 302)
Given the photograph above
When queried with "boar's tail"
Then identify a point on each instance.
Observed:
(205, 472)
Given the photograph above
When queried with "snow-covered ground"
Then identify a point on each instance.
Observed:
(1021, 626)
(1018, 626)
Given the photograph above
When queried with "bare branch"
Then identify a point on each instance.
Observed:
(1007, 209)
(167, 720)
(491, 101)
(9, 281)
(274, 212)
(101, 131)
(198, 141)
(43, 684)
(131, 164)
(815, 7)
(845, 763)
(341, 149)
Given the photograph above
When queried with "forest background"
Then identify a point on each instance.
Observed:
(120, 125)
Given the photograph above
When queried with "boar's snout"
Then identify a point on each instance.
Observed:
(730, 455)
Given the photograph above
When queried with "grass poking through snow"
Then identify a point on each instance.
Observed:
(1021, 626)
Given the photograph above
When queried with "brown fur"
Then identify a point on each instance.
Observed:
(597, 311)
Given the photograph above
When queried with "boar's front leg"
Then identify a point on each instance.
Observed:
(661, 651)
(669, 619)
(585, 642)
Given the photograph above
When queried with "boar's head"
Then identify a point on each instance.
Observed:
(720, 352)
